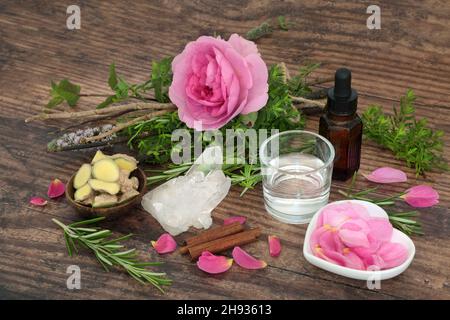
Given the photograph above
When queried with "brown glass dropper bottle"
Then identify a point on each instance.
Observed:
(342, 126)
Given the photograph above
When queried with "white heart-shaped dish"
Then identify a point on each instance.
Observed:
(397, 236)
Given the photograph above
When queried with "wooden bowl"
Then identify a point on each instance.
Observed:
(109, 212)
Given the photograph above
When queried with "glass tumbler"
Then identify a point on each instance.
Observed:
(296, 167)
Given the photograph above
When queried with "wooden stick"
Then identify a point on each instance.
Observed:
(225, 243)
(304, 100)
(212, 234)
(124, 125)
(319, 81)
(107, 110)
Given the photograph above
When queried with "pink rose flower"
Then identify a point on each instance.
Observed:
(215, 80)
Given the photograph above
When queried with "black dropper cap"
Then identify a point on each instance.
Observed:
(342, 99)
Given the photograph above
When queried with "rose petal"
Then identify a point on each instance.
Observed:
(390, 255)
(274, 246)
(387, 175)
(246, 261)
(380, 229)
(352, 260)
(165, 244)
(212, 264)
(231, 220)
(336, 214)
(38, 201)
(421, 196)
(354, 238)
(56, 189)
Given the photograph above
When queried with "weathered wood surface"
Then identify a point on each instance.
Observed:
(412, 49)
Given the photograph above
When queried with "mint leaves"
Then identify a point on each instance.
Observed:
(64, 91)
(160, 80)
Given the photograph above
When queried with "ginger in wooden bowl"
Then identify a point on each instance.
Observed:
(108, 186)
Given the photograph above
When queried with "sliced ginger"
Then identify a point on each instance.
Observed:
(128, 195)
(82, 176)
(106, 170)
(103, 186)
(106, 181)
(83, 193)
(104, 200)
(125, 162)
(99, 156)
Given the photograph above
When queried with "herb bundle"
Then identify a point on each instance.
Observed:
(409, 139)
(279, 113)
(108, 251)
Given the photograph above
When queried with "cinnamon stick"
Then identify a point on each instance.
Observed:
(212, 234)
(225, 243)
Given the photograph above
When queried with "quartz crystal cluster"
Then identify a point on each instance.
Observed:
(188, 200)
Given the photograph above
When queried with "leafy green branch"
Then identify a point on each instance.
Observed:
(110, 252)
(159, 81)
(410, 139)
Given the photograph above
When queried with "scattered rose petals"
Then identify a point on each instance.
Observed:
(165, 244)
(38, 201)
(274, 246)
(212, 264)
(387, 175)
(246, 261)
(56, 189)
(421, 196)
(231, 220)
(347, 236)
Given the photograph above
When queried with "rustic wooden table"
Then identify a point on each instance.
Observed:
(412, 49)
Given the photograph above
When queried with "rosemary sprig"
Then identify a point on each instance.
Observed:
(110, 252)
(404, 221)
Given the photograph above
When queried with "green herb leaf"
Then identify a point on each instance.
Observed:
(109, 100)
(260, 31)
(64, 91)
(282, 23)
(112, 80)
(161, 78)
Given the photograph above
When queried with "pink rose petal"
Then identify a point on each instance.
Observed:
(336, 214)
(387, 175)
(246, 261)
(390, 255)
(165, 244)
(380, 229)
(56, 189)
(354, 238)
(38, 201)
(212, 264)
(421, 196)
(231, 220)
(274, 246)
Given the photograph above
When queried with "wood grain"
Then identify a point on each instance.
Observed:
(412, 49)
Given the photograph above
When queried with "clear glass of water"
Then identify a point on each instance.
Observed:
(297, 167)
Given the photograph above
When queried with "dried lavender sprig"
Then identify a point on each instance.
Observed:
(74, 140)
